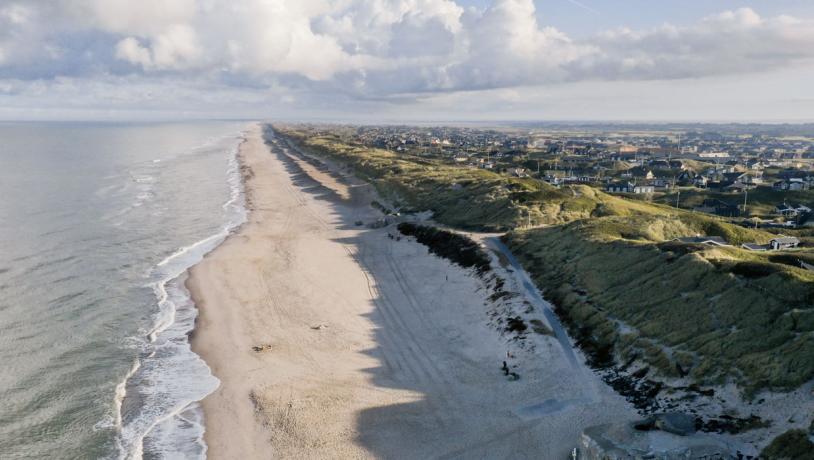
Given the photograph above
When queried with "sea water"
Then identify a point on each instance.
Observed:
(98, 224)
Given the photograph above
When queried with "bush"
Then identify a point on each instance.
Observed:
(452, 246)
(751, 269)
(791, 445)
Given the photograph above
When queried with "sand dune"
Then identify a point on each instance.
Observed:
(367, 347)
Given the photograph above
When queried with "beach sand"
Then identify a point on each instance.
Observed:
(370, 347)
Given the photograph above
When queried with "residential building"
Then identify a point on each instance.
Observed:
(719, 208)
(784, 242)
(709, 240)
(791, 210)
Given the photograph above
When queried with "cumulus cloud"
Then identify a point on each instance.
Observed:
(374, 49)
(277, 37)
(175, 48)
(130, 50)
(507, 47)
(19, 33)
(127, 17)
(726, 43)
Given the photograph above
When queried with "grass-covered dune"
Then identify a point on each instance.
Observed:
(710, 312)
(460, 196)
(792, 445)
(760, 201)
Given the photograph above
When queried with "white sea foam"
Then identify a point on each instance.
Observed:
(169, 379)
(121, 392)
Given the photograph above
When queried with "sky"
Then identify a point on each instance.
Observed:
(408, 60)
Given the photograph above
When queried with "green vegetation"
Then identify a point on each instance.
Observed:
(464, 197)
(452, 246)
(712, 312)
(622, 285)
(760, 201)
(791, 445)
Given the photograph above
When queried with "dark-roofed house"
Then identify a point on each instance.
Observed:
(624, 187)
(718, 207)
(660, 164)
(791, 210)
(739, 181)
(755, 246)
(710, 240)
(629, 187)
(784, 242)
(686, 177)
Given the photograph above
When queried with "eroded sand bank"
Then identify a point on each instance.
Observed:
(369, 346)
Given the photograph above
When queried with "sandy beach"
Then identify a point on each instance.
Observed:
(333, 340)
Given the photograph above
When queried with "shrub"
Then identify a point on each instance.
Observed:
(452, 246)
(791, 445)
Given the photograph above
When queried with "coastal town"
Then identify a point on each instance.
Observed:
(762, 179)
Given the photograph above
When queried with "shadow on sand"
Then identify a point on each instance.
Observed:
(462, 405)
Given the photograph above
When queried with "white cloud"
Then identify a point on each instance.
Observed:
(373, 50)
(442, 45)
(726, 43)
(128, 17)
(276, 37)
(393, 27)
(20, 34)
(507, 47)
(130, 50)
(177, 48)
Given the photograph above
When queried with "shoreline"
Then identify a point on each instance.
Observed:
(190, 284)
(396, 353)
(142, 419)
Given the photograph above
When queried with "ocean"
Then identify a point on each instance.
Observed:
(98, 224)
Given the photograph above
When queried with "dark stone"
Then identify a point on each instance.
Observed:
(676, 423)
(697, 389)
(731, 425)
(671, 422)
(640, 373)
(516, 324)
(681, 371)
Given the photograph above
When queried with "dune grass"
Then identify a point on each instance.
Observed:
(715, 313)
(791, 445)
(463, 197)
(760, 201)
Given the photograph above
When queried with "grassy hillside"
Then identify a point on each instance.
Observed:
(760, 201)
(710, 312)
(464, 197)
(792, 445)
